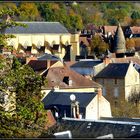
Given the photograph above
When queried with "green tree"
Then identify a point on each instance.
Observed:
(6, 22)
(29, 112)
(28, 12)
(135, 15)
(98, 46)
(30, 116)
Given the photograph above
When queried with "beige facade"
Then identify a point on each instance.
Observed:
(34, 41)
(132, 81)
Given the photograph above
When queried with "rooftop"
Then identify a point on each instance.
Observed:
(38, 27)
(63, 98)
(114, 70)
(81, 128)
(86, 63)
(56, 76)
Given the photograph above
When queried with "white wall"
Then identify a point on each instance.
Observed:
(98, 107)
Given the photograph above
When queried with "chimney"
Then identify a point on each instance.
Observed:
(70, 82)
(48, 63)
(77, 110)
(99, 92)
(28, 59)
(106, 60)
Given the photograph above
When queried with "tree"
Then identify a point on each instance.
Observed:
(28, 12)
(134, 98)
(126, 109)
(6, 22)
(98, 46)
(29, 112)
(29, 115)
(135, 15)
(130, 44)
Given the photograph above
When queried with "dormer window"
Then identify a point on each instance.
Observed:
(67, 80)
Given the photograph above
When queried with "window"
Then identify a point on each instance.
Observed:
(104, 91)
(66, 80)
(116, 104)
(115, 81)
(116, 92)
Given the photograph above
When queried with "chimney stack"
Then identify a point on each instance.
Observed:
(99, 92)
(107, 60)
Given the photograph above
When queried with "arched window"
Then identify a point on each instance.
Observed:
(116, 92)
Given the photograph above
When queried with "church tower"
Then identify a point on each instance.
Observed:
(119, 41)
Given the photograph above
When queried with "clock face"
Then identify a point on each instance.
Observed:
(72, 97)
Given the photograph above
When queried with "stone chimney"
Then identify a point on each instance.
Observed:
(48, 63)
(28, 59)
(106, 60)
(99, 92)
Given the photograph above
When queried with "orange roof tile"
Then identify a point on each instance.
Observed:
(56, 75)
(135, 30)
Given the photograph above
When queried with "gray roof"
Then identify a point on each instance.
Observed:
(81, 128)
(86, 63)
(114, 70)
(119, 41)
(63, 98)
(47, 56)
(38, 27)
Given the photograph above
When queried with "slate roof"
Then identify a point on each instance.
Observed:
(63, 98)
(92, 129)
(47, 56)
(38, 27)
(86, 63)
(114, 70)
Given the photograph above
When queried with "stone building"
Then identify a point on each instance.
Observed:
(86, 105)
(44, 37)
(118, 81)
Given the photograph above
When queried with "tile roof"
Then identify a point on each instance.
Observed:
(55, 76)
(40, 65)
(63, 98)
(114, 70)
(38, 27)
(111, 29)
(135, 29)
(126, 60)
(84, 40)
(87, 63)
(69, 63)
(50, 120)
